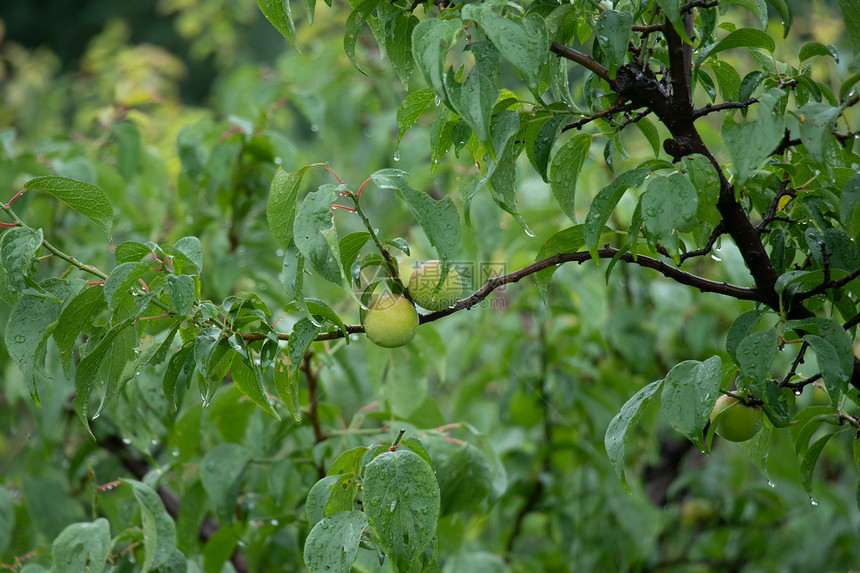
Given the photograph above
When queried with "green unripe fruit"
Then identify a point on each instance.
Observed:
(740, 422)
(391, 321)
(422, 286)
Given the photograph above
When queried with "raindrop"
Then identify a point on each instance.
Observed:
(275, 522)
(798, 392)
(374, 501)
(175, 452)
(315, 127)
(397, 155)
(771, 484)
(278, 160)
(437, 100)
(126, 441)
(529, 232)
(813, 501)
(716, 258)
(153, 442)
(392, 506)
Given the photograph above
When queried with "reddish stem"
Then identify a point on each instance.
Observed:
(366, 181)
(18, 194)
(93, 283)
(9, 224)
(336, 206)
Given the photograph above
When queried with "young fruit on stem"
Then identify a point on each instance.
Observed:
(423, 282)
(391, 321)
(739, 422)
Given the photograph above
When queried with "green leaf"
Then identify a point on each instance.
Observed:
(122, 278)
(669, 207)
(350, 246)
(727, 78)
(354, 23)
(522, 41)
(320, 308)
(439, 219)
(430, 41)
(88, 375)
(812, 49)
(613, 36)
(180, 367)
(318, 498)
(183, 293)
(28, 323)
(749, 38)
(159, 530)
(292, 273)
(248, 377)
(604, 203)
(564, 171)
(541, 135)
(131, 251)
(188, 255)
(313, 219)
(401, 500)
(281, 205)
(18, 246)
(755, 355)
(690, 391)
(739, 330)
(464, 476)
(278, 13)
(398, 45)
(816, 123)
(473, 100)
(649, 130)
(221, 471)
(83, 197)
(413, 107)
(807, 465)
(751, 143)
(82, 547)
(833, 348)
(784, 10)
(503, 173)
(622, 426)
(77, 316)
(332, 544)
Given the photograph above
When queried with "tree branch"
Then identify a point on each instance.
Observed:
(711, 108)
(581, 59)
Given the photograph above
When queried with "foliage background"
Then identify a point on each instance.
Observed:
(153, 102)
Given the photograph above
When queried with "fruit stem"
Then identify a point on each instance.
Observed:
(397, 439)
(393, 271)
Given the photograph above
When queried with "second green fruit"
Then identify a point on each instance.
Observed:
(422, 286)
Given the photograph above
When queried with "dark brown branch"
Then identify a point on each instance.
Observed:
(798, 360)
(826, 285)
(674, 273)
(784, 190)
(581, 59)
(616, 107)
(711, 108)
(649, 29)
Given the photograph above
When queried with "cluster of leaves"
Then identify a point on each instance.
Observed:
(131, 343)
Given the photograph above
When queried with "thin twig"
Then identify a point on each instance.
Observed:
(711, 108)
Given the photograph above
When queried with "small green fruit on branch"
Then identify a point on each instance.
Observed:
(391, 321)
(739, 421)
